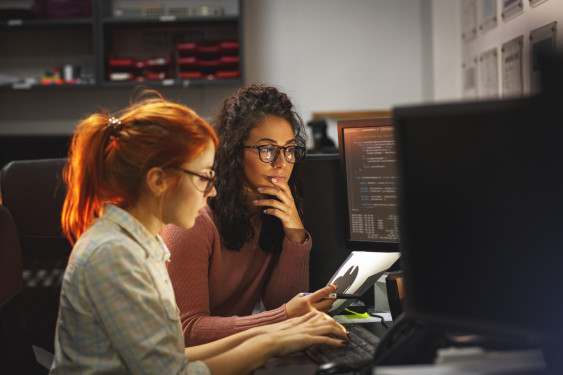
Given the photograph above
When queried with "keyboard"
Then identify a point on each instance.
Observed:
(359, 351)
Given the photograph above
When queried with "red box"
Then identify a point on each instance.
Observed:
(62, 8)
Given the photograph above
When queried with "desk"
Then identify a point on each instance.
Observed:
(450, 361)
(299, 363)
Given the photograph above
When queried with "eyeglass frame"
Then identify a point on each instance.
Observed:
(278, 148)
(210, 180)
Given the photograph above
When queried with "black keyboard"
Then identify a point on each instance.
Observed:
(359, 351)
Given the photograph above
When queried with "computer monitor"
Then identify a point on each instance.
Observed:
(323, 217)
(481, 208)
(368, 166)
(350, 199)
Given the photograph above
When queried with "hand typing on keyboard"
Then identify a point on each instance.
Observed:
(359, 351)
(313, 328)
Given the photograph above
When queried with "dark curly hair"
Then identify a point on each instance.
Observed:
(238, 115)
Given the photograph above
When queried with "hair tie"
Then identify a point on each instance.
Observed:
(115, 125)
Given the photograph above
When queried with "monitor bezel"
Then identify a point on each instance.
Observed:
(378, 246)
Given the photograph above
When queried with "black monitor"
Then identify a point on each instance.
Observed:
(368, 166)
(324, 215)
(356, 185)
(481, 207)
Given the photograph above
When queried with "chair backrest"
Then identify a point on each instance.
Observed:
(16, 353)
(10, 258)
(33, 191)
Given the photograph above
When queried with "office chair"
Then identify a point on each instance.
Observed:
(17, 355)
(33, 192)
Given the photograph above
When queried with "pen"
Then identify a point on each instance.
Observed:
(335, 295)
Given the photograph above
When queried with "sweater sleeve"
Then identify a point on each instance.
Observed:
(290, 276)
(191, 251)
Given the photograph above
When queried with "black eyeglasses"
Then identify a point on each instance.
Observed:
(269, 153)
(201, 183)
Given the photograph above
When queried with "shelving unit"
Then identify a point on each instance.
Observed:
(31, 48)
(124, 43)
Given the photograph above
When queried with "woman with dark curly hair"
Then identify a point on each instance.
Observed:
(249, 244)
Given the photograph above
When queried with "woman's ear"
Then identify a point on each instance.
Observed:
(157, 182)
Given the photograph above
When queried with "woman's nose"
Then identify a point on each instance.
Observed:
(280, 161)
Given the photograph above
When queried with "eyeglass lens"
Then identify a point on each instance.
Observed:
(208, 186)
(269, 154)
(202, 183)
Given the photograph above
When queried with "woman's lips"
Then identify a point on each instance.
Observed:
(279, 178)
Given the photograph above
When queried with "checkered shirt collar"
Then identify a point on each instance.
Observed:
(154, 245)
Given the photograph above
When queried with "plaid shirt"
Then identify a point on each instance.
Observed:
(117, 313)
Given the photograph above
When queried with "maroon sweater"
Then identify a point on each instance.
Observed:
(216, 289)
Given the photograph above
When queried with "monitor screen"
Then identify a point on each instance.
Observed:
(368, 164)
(481, 209)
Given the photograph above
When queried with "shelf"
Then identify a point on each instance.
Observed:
(167, 19)
(107, 46)
(176, 83)
(14, 23)
(64, 86)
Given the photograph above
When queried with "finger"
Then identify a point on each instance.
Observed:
(334, 342)
(282, 192)
(313, 314)
(312, 318)
(324, 304)
(274, 203)
(322, 324)
(326, 340)
(273, 190)
(277, 213)
(326, 328)
(302, 341)
(278, 198)
(322, 293)
(280, 185)
(320, 318)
